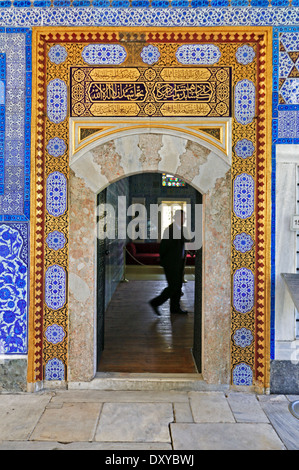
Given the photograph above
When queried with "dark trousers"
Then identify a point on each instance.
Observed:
(174, 277)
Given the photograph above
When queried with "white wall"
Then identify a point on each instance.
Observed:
(287, 159)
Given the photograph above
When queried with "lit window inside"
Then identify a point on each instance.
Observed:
(170, 180)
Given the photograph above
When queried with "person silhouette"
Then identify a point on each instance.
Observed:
(172, 258)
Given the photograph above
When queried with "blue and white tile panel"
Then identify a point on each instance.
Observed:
(14, 243)
(15, 97)
(159, 14)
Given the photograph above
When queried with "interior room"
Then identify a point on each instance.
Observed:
(131, 338)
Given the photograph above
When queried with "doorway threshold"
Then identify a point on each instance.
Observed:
(147, 382)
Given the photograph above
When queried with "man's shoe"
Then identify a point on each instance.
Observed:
(155, 308)
(180, 311)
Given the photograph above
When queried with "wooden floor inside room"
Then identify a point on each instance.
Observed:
(138, 341)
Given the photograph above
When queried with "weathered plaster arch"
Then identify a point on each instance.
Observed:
(213, 133)
(105, 161)
(138, 153)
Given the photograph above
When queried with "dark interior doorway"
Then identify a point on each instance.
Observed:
(130, 337)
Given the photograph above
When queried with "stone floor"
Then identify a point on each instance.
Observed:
(147, 420)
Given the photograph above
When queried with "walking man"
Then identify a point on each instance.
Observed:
(172, 258)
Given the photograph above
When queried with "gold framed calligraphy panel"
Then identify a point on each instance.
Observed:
(150, 91)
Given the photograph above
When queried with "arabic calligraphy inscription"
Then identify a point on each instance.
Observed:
(147, 91)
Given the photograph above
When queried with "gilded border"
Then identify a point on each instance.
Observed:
(260, 359)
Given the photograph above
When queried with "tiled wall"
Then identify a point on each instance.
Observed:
(15, 109)
(147, 3)
(286, 85)
(26, 15)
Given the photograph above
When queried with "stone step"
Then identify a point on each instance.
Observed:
(143, 382)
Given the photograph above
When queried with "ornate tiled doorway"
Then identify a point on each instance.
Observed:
(155, 75)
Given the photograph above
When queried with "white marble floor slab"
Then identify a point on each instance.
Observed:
(246, 408)
(72, 422)
(135, 422)
(225, 436)
(19, 414)
(210, 407)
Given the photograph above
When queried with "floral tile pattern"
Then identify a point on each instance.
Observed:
(15, 123)
(15, 48)
(156, 13)
(286, 85)
(13, 288)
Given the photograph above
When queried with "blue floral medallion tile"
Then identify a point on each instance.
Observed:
(56, 147)
(56, 194)
(244, 148)
(57, 54)
(244, 101)
(288, 124)
(242, 374)
(245, 54)
(243, 242)
(243, 290)
(104, 54)
(14, 152)
(56, 240)
(198, 54)
(55, 287)
(55, 334)
(57, 100)
(243, 196)
(150, 54)
(54, 370)
(243, 337)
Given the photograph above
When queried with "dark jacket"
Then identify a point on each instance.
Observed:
(172, 248)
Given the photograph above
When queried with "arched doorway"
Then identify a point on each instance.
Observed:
(203, 169)
(134, 212)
